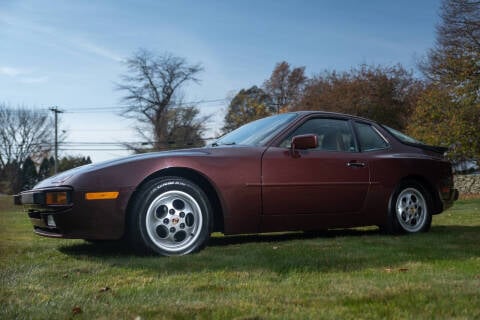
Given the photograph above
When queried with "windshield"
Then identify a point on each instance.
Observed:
(402, 137)
(257, 132)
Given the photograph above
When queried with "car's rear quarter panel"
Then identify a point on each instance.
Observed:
(389, 170)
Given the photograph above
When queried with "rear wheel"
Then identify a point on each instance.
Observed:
(170, 216)
(410, 207)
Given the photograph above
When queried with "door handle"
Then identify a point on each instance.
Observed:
(356, 164)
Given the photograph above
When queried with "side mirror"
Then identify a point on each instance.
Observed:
(306, 141)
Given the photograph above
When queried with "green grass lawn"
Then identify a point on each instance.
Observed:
(341, 274)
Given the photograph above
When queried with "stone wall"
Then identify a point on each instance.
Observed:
(468, 183)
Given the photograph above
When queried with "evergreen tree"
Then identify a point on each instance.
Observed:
(70, 162)
(29, 174)
(45, 169)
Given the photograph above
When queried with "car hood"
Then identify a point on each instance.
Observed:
(152, 155)
(63, 177)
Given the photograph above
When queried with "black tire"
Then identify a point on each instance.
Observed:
(170, 216)
(409, 209)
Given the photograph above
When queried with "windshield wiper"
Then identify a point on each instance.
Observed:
(216, 144)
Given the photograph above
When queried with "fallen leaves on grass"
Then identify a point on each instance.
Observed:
(76, 310)
(389, 270)
(105, 289)
(103, 292)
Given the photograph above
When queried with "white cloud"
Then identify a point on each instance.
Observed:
(60, 37)
(11, 71)
(22, 75)
(91, 47)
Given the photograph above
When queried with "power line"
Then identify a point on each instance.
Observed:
(102, 109)
(96, 130)
(113, 146)
(106, 143)
(92, 149)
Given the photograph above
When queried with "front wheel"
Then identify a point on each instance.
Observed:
(170, 216)
(410, 207)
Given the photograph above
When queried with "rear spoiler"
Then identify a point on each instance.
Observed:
(436, 149)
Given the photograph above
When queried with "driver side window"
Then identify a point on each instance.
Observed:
(334, 135)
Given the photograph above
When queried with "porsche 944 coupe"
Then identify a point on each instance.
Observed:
(294, 171)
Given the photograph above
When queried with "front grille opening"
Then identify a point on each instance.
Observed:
(34, 214)
(38, 213)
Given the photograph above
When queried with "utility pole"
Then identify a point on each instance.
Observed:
(56, 111)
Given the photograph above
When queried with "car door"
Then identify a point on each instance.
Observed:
(331, 180)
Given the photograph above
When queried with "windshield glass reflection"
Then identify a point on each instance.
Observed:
(258, 132)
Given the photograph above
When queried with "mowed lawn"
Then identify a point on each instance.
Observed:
(340, 274)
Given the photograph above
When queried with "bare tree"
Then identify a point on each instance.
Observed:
(24, 132)
(152, 89)
(285, 86)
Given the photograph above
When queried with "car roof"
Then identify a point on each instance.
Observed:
(333, 114)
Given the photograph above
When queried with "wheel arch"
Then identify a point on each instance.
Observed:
(391, 225)
(197, 178)
(429, 187)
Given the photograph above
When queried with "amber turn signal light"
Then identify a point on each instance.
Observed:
(56, 198)
(101, 195)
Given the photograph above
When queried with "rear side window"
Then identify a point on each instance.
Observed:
(402, 136)
(369, 138)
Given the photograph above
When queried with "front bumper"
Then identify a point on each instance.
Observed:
(39, 197)
(42, 212)
(74, 216)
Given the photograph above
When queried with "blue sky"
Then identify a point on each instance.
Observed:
(69, 53)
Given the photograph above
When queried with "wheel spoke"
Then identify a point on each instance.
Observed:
(410, 209)
(173, 220)
(407, 218)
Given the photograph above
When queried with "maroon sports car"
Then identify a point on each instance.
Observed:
(293, 171)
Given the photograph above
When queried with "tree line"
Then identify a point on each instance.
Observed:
(442, 107)
(15, 176)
